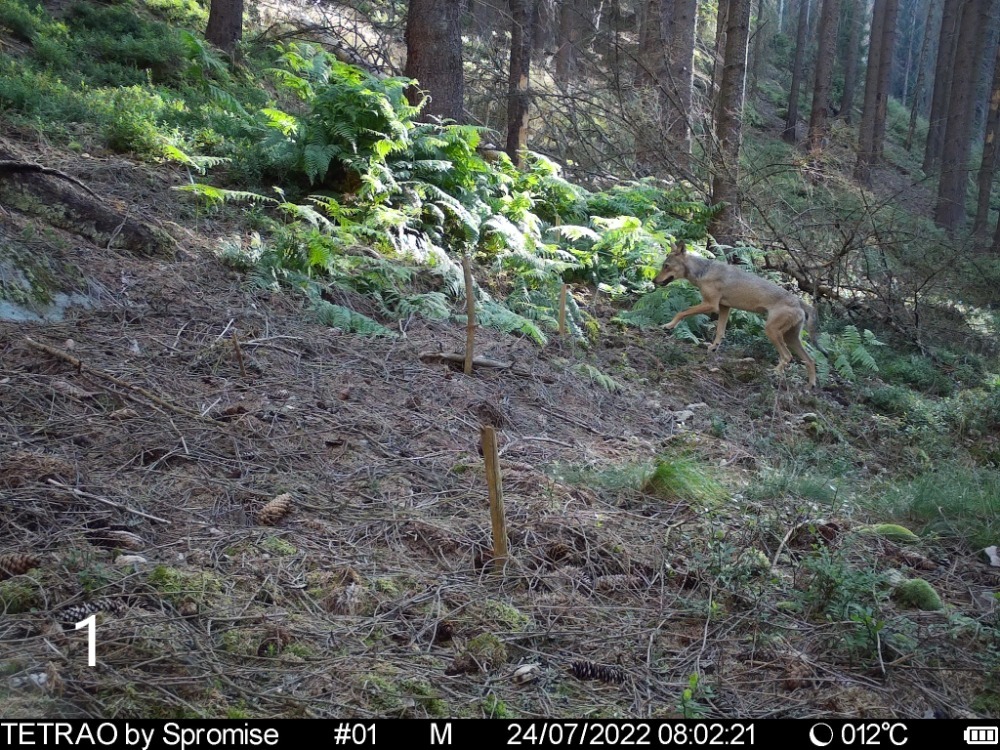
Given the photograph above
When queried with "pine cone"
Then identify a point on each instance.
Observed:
(16, 564)
(275, 510)
(588, 670)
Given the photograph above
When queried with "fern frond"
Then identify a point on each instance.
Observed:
(494, 315)
(606, 382)
(337, 316)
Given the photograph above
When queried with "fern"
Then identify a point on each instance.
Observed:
(604, 381)
(849, 353)
(659, 307)
(431, 305)
(337, 316)
(494, 315)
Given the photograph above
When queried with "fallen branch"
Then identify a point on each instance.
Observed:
(81, 367)
(112, 503)
(495, 364)
(8, 166)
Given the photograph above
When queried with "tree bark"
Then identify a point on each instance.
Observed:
(988, 166)
(758, 46)
(434, 56)
(872, 129)
(851, 59)
(938, 117)
(651, 60)
(569, 39)
(650, 72)
(225, 24)
(825, 54)
(725, 183)
(720, 56)
(949, 212)
(885, 62)
(524, 16)
(680, 26)
(918, 86)
(792, 118)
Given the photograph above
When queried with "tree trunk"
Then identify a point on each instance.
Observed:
(938, 117)
(828, 22)
(851, 59)
(720, 55)
(725, 183)
(680, 23)
(31, 189)
(569, 38)
(918, 87)
(651, 61)
(989, 163)
(949, 213)
(524, 15)
(872, 129)
(885, 62)
(650, 72)
(908, 58)
(802, 27)
(434, 56)
(225, 24)
(758, 47)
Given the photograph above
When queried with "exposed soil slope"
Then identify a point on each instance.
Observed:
(370, 593)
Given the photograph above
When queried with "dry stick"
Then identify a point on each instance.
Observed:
(562, 309)
(112, 503)
(81, 367)
(497, 517)
(470, 309)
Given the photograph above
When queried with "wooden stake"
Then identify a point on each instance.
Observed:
(562, 309)
(239, 355)
(470, 310)
(497, 517)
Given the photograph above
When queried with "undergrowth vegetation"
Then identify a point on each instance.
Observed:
(366, 211)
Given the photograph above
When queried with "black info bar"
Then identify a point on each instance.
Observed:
(483, 734)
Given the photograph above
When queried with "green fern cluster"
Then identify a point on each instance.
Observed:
(848, 354)
(660, 306)
(424, 193)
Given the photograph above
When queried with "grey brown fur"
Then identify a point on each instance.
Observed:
(723, 287)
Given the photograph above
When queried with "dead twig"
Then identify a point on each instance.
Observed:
(82, 367)
(112, 503)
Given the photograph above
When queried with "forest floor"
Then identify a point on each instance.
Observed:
(272, 518)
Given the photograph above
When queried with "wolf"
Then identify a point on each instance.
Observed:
(724, 286)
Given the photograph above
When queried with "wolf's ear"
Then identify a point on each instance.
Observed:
(679, 248)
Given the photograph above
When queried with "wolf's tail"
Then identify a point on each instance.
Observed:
(811, 322)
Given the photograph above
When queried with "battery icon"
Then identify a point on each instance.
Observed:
(981, 736)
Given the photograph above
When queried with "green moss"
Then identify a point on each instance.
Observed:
(278, 546)
(487, 650)
(892, 532)
(177, 585)
(495, 708)
(918, 594)
(18, 595)
(240, 641)
(501, 616)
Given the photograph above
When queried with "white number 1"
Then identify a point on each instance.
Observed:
(90, 622)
